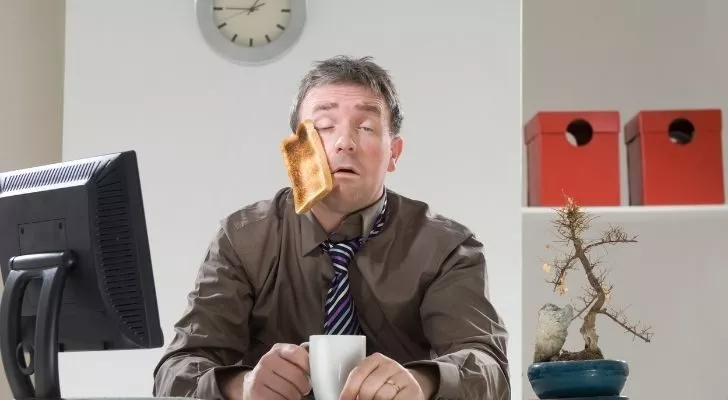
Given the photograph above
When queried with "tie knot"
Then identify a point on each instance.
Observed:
(341, 253)
(352, 243)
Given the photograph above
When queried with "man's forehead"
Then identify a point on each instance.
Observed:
(332, 96)
(374, 107)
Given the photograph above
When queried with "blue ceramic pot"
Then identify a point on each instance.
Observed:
(588, 378)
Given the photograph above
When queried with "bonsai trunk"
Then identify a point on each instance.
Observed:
(589, 331)
(589, 327)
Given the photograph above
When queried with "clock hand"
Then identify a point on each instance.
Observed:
(249, 9)
(237, 14)
(253, 8)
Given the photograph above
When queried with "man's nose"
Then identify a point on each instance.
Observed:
(345, 143)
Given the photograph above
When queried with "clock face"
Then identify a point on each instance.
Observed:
(252, 23)
(251, 32)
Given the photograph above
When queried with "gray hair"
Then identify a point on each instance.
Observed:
(347, 70)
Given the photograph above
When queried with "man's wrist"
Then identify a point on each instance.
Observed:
(230, 382)
(428, 377)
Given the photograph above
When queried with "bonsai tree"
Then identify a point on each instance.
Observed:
(572, 224)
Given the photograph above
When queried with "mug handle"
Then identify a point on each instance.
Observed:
(310, 395)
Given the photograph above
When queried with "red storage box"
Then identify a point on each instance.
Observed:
(675, 157)
(574, 153)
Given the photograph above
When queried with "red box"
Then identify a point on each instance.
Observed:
(675, 157)
(583, 165)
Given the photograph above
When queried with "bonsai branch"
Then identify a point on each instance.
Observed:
(612, 236)
(587, 301)
(560, 270)
(643, 333)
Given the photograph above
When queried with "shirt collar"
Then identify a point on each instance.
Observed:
(358, 223)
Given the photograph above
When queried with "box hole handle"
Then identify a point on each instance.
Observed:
(579, 133)
(681, 131)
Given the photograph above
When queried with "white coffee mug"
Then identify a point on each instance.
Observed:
(332, 358)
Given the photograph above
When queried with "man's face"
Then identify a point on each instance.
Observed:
(354, 126)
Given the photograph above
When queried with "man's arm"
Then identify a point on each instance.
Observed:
(465, 331)
(212, 335)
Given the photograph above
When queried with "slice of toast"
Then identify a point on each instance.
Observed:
(307, 165)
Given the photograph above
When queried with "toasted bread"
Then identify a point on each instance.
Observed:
(308, 167)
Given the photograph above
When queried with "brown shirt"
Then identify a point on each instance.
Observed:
(420, 289)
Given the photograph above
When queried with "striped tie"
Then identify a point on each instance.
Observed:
(341, 317)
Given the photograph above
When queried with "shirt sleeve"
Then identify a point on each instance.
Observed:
(212, 334)
(467, 335)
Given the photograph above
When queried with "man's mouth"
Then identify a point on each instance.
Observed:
(345, 170)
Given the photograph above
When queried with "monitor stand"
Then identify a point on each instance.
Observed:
(51, 268)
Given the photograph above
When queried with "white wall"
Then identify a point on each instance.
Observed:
(627, 56)
(31, 90)
(139, 77)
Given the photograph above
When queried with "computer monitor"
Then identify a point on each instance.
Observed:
(76, 265)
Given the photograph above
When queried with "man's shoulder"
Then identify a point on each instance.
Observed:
(261, 213)
(422, 216)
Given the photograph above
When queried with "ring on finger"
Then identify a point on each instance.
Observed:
(396, 387)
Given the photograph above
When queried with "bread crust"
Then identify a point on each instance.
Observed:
(307, 165)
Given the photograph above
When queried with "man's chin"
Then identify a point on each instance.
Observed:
(343, 199)
(342, 189)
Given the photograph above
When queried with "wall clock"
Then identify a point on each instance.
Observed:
(251, 32)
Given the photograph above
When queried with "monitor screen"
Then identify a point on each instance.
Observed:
(76, 263)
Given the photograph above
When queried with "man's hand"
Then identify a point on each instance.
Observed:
(381, 378)
(282, 373)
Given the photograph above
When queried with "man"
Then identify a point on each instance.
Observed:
(412, 281)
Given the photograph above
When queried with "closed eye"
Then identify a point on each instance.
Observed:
(366, 129)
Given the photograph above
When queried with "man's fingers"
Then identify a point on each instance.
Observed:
(387, 391)
(358, 376)
(289, 362)
(284, 370)
(410, 392)
(291, 373)
(280, 387)
(374, 383)
(296, 355)
(405, 386)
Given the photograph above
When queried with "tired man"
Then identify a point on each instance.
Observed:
(412, 281)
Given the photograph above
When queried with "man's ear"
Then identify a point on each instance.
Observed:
(396, 149)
